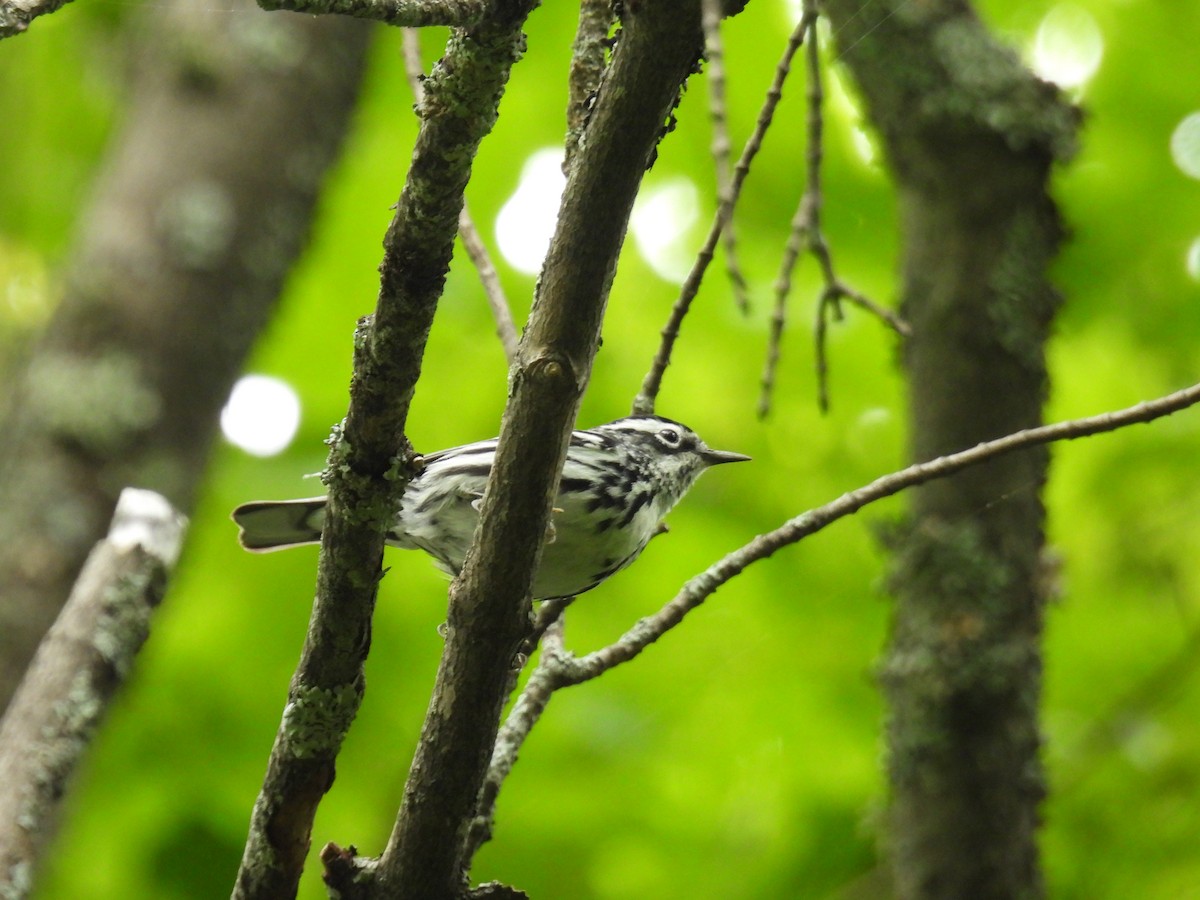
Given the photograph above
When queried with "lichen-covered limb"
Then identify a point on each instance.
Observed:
(15, 15)
(410, 13)
(972, 138)
(369, 459)
(78, 668)
(589, 54)
(489, 614)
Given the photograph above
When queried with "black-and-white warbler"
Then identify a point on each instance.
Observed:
(618, 482)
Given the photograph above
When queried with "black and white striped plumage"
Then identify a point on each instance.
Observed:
(618, 482)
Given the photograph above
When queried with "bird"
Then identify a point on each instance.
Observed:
(618, 483)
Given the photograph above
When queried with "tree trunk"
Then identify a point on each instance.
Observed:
(971, 137)
(202, 208)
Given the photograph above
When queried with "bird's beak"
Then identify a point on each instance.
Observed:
(716, 457)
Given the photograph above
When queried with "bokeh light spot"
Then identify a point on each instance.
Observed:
(262, 415)
(1193, 260)
(525, 223)
(661, 218)
(1068, 46)
(1185, 145)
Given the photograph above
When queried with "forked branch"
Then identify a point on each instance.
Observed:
(807, 236)
(652, 383)
(427, 855)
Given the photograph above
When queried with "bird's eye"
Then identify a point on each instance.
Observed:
(669, 436)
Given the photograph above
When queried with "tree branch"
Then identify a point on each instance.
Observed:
(710, 19)
(532, 702)
(489, 612)
(16, 15)
(472, 240)
(493, 290)
(82, 661)
(369, 460)
(588, 53)
(406, 13)
(698, 589)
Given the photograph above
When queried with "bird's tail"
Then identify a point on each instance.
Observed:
(276, 524)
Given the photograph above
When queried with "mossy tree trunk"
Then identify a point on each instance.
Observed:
(971, 137)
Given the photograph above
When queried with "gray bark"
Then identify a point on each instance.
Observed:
(78, 668)
(971, 137)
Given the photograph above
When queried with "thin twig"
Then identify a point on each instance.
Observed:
(783, 287)
(530, 705)
(652, 383)
(477, 251)
(549, 613)
(497, 300)
(710, 21)
(809, 215)
(706, 583)
(558, 668)
(806, 235)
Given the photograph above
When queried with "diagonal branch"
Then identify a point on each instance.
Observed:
(79, 666)
(369, 460)
(493, 290)
(468, 233)
(588, 54)
(407, 13)
(647, 631)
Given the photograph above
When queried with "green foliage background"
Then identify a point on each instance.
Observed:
(741, 756)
